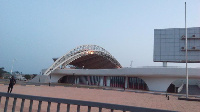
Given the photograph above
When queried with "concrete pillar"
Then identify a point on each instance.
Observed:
(77, 80)
(121, 82)
(111, 82)
(97, 77)
(164, 64)
(108, 81)
(126, 82)
(95, 80)
(114, 82)
(92, 80)
(98, 80)
(118, 81)
(89, 82)
(101, 80)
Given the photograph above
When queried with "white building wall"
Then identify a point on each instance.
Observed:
(156, 78)
(158, 83)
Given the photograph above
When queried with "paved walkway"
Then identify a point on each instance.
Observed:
(99, 95)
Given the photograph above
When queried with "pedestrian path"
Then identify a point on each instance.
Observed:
(145, 99)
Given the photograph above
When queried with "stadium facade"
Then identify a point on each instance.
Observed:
(93, 65)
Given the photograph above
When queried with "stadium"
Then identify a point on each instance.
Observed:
(93, 65)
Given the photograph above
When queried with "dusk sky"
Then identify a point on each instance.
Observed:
(34, 32)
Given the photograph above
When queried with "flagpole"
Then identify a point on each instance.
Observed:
(186, 55)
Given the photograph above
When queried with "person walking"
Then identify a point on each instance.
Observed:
(11, 84)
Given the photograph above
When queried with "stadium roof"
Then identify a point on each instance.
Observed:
(87, 57)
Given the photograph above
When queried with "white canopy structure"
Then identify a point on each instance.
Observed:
(87, 56)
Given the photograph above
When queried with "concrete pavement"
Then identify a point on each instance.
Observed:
(100, 95)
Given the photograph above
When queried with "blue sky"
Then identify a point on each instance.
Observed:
(33, 32)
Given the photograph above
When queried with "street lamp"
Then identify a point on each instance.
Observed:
(186, 55)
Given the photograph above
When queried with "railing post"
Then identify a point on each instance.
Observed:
(49, 105)
(68, 107)
(58, 107)
(39, 106)
(78, 108)
(100, 109)
(6, 104)
(89, 108)
(31, 104)
(14, 104)
(22, 105)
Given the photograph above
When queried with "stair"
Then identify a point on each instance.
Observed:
(192, 90)
(40, 79)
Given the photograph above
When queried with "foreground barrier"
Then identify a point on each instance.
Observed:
(69, 102)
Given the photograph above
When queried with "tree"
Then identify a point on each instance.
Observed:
(2, 71)
(27, 77)
(17, 72)
(34, 75)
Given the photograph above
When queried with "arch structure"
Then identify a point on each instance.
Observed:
(87, 57)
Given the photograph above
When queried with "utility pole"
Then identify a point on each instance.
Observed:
(186, 55)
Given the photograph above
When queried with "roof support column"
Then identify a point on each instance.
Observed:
(77, 80)
(101, 80)
(92, 80)
(89, 82)
(126, 82)
(108, 81)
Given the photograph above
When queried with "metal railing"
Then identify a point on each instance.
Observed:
(69, 102)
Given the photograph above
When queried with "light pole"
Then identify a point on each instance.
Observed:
(186, 55)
